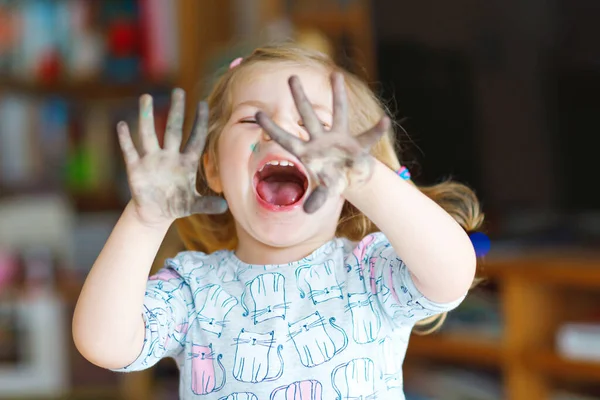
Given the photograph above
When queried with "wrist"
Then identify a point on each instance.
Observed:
(132, 213)
(358, 181)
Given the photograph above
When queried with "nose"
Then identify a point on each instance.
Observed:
(290, 126)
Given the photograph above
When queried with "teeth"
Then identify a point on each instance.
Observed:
(282, 163)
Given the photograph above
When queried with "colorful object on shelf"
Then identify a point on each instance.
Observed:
(481, 243)
(403, 173)
(8, 268)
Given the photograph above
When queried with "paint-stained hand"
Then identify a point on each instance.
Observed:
(163, 180)
(335, 158)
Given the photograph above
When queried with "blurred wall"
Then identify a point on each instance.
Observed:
(504, 129)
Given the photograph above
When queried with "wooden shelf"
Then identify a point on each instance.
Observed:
(483, 352)
(92, 90)
(101, 201)
(551, 267)
(553, 365)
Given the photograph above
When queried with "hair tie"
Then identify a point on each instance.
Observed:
(481, 243)
(403, 173)
(236, 62)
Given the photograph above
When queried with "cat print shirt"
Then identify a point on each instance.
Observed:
(334, 325)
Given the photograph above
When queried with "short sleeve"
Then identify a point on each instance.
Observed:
(389, 280)
(165, 314)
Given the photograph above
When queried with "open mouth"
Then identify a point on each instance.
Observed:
(280, 184)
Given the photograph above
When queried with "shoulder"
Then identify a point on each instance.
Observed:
(190, 262)
(367, 247)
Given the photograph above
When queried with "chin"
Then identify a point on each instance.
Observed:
(281, 236)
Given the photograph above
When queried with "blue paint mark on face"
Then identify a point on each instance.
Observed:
(254, 147)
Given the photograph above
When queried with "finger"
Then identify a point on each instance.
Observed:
(316, 199)
(340, 103)
(130, 153)
(174, 129)
(368, 138)
(209, 205)
(286, 140)
(197, 139)
(146, 125)
(309, 118)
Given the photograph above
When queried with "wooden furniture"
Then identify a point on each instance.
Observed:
(345, 23)
(538, 292)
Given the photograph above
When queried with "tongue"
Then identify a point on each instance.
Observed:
(279, 193)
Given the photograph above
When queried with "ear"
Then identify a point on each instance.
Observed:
(212, 174)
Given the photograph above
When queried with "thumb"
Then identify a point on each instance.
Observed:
(209, 205)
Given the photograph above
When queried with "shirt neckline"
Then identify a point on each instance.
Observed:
(326, 248)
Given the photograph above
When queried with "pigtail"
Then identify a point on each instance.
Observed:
(461, 203)
(457, 200)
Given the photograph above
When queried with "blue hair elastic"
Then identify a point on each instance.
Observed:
(481, 243)
(403, 173)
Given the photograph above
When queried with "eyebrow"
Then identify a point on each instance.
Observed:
(263, 106)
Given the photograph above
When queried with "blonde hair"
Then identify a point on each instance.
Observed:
(209, 233)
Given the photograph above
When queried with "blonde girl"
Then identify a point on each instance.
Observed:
(311, 256)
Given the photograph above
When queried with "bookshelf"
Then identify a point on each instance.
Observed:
(538, 293)
(191, 32)
(82, 98)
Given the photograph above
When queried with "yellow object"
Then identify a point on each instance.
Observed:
(315, 40)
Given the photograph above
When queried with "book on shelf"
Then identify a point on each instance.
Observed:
(51, 144)
(430, 382)
(579, 341)
(79, 40)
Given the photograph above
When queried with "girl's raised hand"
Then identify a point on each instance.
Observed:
(335, 158)
(163, 180)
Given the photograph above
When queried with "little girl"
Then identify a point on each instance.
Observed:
(312, 256)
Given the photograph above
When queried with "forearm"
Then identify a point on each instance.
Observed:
(108, 328)
(434, 247)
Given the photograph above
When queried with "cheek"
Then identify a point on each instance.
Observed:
(234, 156)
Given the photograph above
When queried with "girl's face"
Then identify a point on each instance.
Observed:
(264, 184)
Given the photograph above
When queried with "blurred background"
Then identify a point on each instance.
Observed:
(499, 94)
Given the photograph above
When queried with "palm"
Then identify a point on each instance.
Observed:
(334, 157)
(163, 180)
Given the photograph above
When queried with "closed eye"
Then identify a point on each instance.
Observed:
(248, 121)
(324, 124)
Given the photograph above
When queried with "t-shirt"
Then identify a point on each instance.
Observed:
(333, 325)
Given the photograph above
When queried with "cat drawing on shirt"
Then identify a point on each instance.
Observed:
(256, 357)
(203, 370)
(315, 343)
(383, 293)
(407, 306)
(361, 257)
(391, 363)
(240, 396)
(213, 305)
(267, 298)
(366, 321)
(158, 324)
(354, 380)
(319, 281)
(360, 251)
(301, 390)
(191, 266)
(165, 275)
(226, 271)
